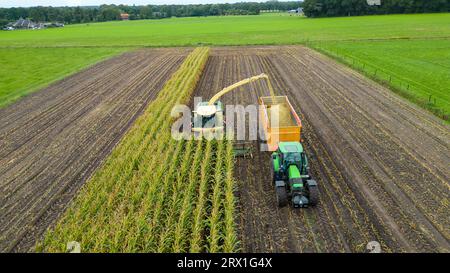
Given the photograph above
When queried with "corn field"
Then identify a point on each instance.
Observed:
(154, 193)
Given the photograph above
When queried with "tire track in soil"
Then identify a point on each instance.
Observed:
(359, 202)
(415, 148)
(337, 171)
(54, 139)
(319, 228)
(346, 214)
(387, 151)
(41, 138)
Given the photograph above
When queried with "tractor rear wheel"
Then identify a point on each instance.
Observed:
(281, 196)
(313, 195)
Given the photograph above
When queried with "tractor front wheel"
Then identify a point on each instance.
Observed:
(281, 196)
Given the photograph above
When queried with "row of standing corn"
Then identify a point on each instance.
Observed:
(154, 193)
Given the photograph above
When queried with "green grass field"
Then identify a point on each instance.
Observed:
(26, 69)
(417, 69)
(233, 30)
(412, 48)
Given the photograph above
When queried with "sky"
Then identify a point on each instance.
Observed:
(59, 3)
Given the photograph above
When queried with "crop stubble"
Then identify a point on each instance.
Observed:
(382, 163)
(53, 140)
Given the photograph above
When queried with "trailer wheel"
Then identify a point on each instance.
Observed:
(281, 196)
(313, 195)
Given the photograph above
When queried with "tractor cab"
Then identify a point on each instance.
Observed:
(291, 176)
(291, 154)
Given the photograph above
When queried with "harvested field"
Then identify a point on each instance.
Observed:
(53, 140)
(382, 164)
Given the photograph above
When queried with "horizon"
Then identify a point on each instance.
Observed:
(87, 3)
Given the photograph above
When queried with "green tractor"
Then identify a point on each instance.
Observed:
(291, 176)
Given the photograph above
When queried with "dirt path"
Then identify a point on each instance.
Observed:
(53, 140)
(382, 164)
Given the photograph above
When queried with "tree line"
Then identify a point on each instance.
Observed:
(330, 8)
(312, 8)
(75, 15)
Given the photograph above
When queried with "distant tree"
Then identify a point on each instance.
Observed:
(38, 14)
(109, 13)
(312, 8)
(145, 12)
(3, 22)
(77, 15)
(319, 8)
(215, 10)
(167, 11)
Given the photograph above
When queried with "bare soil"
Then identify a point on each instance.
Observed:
(53, 140)
(382, 164)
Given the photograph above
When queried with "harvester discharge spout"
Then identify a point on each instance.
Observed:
(241, 83)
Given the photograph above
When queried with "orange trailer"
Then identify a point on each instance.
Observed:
(279, 120)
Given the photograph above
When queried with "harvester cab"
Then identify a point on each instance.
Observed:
(208, 118)
(291, 176)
